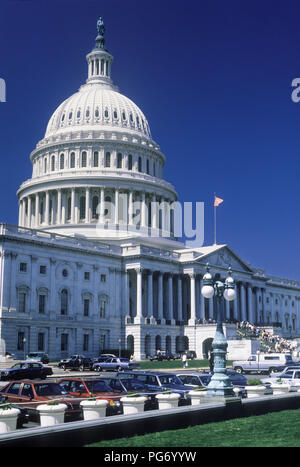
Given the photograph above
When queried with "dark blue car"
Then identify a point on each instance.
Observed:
(159, 381)
(25, 370)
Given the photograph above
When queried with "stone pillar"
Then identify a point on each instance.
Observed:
(211, 308)
(250, 304)
(154, 212)
(130, 209)
(87, 206)
(116, 206)
(59, 207)
(101, 205)
(72, 205)
(160, 298)
(143, 211)
(243, 302)
(150, 295)
(179, 299)
(29, 212)
(37, 211)
(46, 220)
(170, 298)
(139, 291)
(263, 302)
(192, 320)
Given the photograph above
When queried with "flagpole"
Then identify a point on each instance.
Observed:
(215, 221)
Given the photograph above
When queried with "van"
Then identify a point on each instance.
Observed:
(263, 363)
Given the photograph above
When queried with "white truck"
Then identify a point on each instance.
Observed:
(263, 363)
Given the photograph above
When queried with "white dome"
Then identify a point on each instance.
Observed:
(97, 107)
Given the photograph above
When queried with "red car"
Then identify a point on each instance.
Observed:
(84, 387)
(30, 394)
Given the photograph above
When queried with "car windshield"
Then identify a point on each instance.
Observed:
(124, 360)
(205, 379)
(170, 379)
(49, 389)
(98, 386)
(132, 385)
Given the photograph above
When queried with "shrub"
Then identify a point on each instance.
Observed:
(254, 382)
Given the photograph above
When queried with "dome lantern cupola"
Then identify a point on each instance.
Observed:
(99, 60)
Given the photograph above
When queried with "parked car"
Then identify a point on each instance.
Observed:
(162, 355)
(23, 370)
(128, 384)
(38, 357)
(83, 387)
(30, 394)
(290, 374)
(76, 362)
(163, 380)
(115, 364)
(263, 363)
(195, 378)
(190, 354)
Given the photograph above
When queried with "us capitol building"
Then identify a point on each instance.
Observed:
(80, 274)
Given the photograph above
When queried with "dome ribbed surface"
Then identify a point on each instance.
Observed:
(97, 107)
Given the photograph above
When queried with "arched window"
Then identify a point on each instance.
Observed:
(64, 302)
(95, 207)
(140, 164)
(53, 163)
(45, 165)
(78, 114)
(82, 207)
(129, 162)
(62, 162)
(96, 159)
(148, 167)
(119, 161)
(97, 113)
(154, 169)
(72, 160)
(83, 159)
(107, 159)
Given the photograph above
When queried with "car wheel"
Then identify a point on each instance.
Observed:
(119, 368)
(271, 370)
(98, 369)
(238, 369)
(81, 368)
(63, 367)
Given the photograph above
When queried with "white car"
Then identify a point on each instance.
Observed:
(290, 375)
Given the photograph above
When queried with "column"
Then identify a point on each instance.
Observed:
(243, 302)
(143, 210)
(227, 310)
(202, 302)
(154, 212)
(235, 306)
(263, 298)
(76, 208)
(211, 308)
(160, 298)
(72, 205)
(116, 206)
(102, 206)
(37, 211)
(46, 220)
(87, 206)
(58, 207)
(179, 299)
(126, 293)
(130, 209)
(150, 295)
(192, 319)
(139, 311)
(250, 304)
(20, 212)
(170, 298)
(29, 212)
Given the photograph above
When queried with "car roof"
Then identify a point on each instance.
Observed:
(27, 381)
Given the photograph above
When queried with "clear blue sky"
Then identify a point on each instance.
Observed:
(212, 77)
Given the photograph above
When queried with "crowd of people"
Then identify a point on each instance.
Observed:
(273, 342)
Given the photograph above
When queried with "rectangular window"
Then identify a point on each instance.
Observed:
(23, 267)
(85, 343)
(22, 302)
(102, 342)
(64, 342)
(86, 276)
(103, 278)
(86, 307)
(41, 341)
(102, 308)
(43, 269)
(42, 303)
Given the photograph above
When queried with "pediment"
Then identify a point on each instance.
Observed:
(221, 256)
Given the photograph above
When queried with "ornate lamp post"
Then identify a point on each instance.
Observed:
(220, 384)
